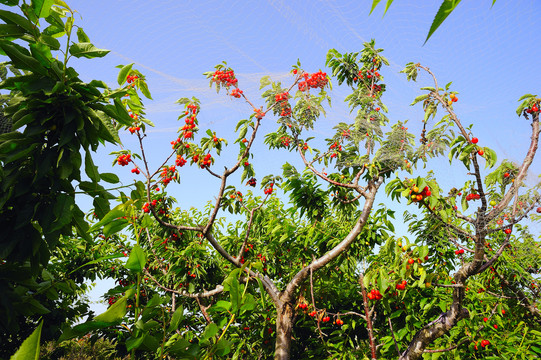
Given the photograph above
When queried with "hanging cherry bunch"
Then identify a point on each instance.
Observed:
(269, 189)
(313, 81)
(336, 149)
(123, 159)
(282, 102)
(225, 78)
(168, 174)
(472, 196)
(286, 140)
(131, 79)
(236, 93)
(180, 161)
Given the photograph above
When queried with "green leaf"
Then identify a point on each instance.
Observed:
(30, 347)
(389, 2)
(223, 347)
(114, 227)
(137, 260)
(176, 319)
(374, 4)
(42, 8)
(62, 210)
(87, 50)
(12, 18)
(134, 343)
(123, 73)
(210, 330)
(22, 60)
(447, 6)
(108, 257)
(112, 215)
(144, 89)
(83, 329)
(11, 31)
(81, 36)
(90, 169)
(116, 311)
(110, 178)
(10, 2)
(265, 81)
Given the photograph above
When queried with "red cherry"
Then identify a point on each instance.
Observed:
(410, 261)
(506, 175)
(481, 152)
(535, 108)
(539, 210)
(507, 231)
(474, 140)
(485, 319)
(495, 326)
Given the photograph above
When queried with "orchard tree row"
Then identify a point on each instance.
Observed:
(297, 265)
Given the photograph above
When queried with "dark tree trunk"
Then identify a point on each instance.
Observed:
(284, 328)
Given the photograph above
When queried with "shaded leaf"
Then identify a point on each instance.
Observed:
(30, 347)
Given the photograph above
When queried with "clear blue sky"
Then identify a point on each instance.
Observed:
(491, 55)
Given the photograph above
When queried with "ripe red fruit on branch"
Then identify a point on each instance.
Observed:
(339, 322)
(123, 160)
(474, 140)
(485, 343)
(410, 261)
(236, 93)
(481, 152)
(507, 231)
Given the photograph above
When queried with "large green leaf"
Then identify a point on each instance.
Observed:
(116, 311)
(123, 73)
(10, 2)
(42, 8)
(12, 18)
(374, 4)
(446, 8)
(30, 347)
(63, 211)
(137, 260)
(115, 226)
(11, 31)
(176, 319)
(110, 178)
(21, 58)
(108, 257)
(83, 329)
(90, 169)
(87, 50)
(112, 215)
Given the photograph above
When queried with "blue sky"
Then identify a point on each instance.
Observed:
(491, 55)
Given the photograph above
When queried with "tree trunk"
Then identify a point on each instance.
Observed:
(284, 328)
